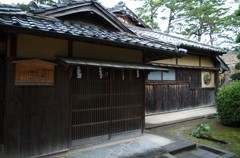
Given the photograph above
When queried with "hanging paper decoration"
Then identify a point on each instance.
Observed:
(123, 74)
(79, 73)
(138, 73)
(106, 73)
(100, 73)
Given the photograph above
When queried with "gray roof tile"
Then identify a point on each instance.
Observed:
(8, 9)
(82, 30)
(181, 42)
(146, 32)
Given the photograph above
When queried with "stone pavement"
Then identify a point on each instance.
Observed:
(150, 145)
(142, 147)
(175, 117)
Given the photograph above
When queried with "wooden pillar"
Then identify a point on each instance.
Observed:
(13, 45)
(70, 48)
(143, 100)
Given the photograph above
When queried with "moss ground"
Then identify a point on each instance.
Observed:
(218, 131)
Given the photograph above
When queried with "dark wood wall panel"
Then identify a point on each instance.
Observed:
(185, 93)
(2, 95)
(176, 97)
(36, 116)
(193, 76)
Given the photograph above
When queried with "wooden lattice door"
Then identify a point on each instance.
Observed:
(90, 107)
(105, 103)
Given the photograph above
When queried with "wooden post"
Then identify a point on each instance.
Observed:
(70, 48)
(13, 45)
(143, 100)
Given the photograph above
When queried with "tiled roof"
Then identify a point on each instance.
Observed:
(181, 42)
(156, 35)
(42, 8)
(122, 10)
(75, 5)
(80, 30)
(7, 9)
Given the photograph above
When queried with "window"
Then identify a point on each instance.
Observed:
(159, 75)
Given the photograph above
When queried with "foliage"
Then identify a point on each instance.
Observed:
(203, 127)
(228, 104)
(205, 18)
(238, 38)
(148, 12)
(231, 30)
(201, 19)
(22, 6)
(176, 8)
(238, 56)
(236, 76)
(237, 66)
(237, 12)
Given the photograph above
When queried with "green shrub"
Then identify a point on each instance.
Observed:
(202, 129)
(238, 56)
(235, 76)
(237, 66)
(228, 104)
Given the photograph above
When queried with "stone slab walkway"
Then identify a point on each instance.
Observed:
(140, 148)
(175, 117)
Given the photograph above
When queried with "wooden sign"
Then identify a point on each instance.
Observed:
(34, 72)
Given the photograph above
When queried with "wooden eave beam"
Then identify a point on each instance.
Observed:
(126, 29)
(204, 52)
(87, 7)
(62, 9)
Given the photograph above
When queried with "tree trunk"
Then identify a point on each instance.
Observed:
(211, 33)
(169, 21)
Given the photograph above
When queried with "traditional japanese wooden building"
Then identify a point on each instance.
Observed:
(74, 74)
(71, 74)
(192, 81)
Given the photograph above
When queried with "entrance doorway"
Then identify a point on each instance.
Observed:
(106, 103)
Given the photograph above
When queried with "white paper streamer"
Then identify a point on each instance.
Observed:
(79, 73)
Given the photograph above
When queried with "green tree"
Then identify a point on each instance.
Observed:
(237, 14)
(230, 31)
(148, 12)
(236, 76)
(204, 17)
(176, 9)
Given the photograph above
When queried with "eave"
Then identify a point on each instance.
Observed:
(158, 52)
(88, 6)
